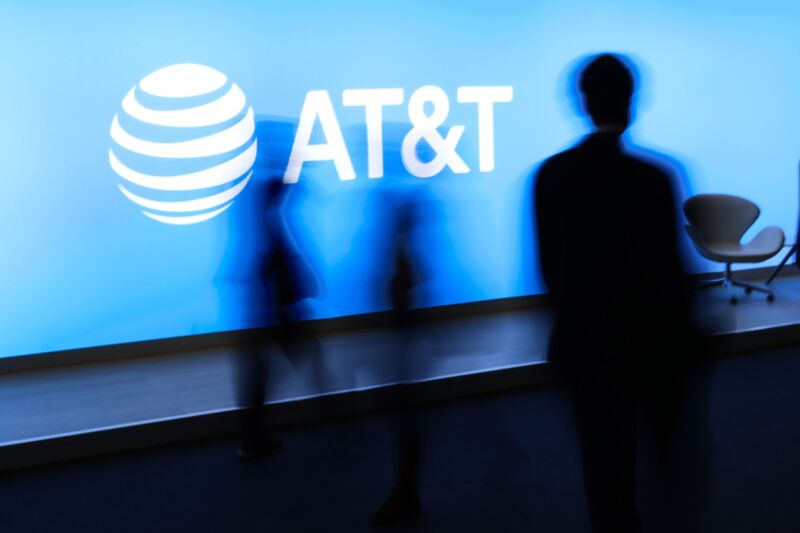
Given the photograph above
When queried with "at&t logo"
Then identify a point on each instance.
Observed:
(184, 144)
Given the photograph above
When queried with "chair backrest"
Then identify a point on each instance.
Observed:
(720, 218)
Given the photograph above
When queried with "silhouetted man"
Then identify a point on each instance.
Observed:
(622, 339)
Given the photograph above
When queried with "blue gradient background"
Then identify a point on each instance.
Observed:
(82, 267)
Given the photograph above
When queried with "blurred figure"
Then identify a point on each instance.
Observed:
(282, 281)
(623, 340)
(271, 280)
(403, 502)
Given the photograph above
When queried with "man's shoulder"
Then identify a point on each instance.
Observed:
(552, 169)
(650, 168)
(649, 163)
(560, 160)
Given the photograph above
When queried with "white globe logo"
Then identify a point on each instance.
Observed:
(184, 144)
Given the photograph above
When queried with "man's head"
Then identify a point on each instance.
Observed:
(606, 84)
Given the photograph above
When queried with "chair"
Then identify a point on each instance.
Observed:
(717, 223)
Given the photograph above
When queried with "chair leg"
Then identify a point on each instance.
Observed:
(730, 283)
(749, 287)
(707, 284)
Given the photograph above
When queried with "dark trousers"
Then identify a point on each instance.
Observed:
(406, 423)
(251, 372)
(661, 412)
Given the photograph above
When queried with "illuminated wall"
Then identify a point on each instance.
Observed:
(86, 263)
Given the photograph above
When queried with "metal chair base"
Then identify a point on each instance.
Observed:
(729, 282)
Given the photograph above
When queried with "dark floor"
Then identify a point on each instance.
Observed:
(502, 462)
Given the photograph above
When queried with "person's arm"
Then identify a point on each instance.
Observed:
(546, 225)
(665, 221)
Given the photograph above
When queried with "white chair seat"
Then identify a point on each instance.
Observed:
(764, 245)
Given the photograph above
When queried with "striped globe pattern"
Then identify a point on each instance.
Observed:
(183, 143)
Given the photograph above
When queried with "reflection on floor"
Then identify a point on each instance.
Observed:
(75, 399)
(72, 400)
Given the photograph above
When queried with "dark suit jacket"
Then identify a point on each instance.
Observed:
(608, 251)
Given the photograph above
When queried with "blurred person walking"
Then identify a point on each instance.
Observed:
(280, 282)
(402, 291)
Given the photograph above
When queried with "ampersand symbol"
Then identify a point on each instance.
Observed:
(424, 127)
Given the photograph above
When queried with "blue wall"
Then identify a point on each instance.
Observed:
(81, 266)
